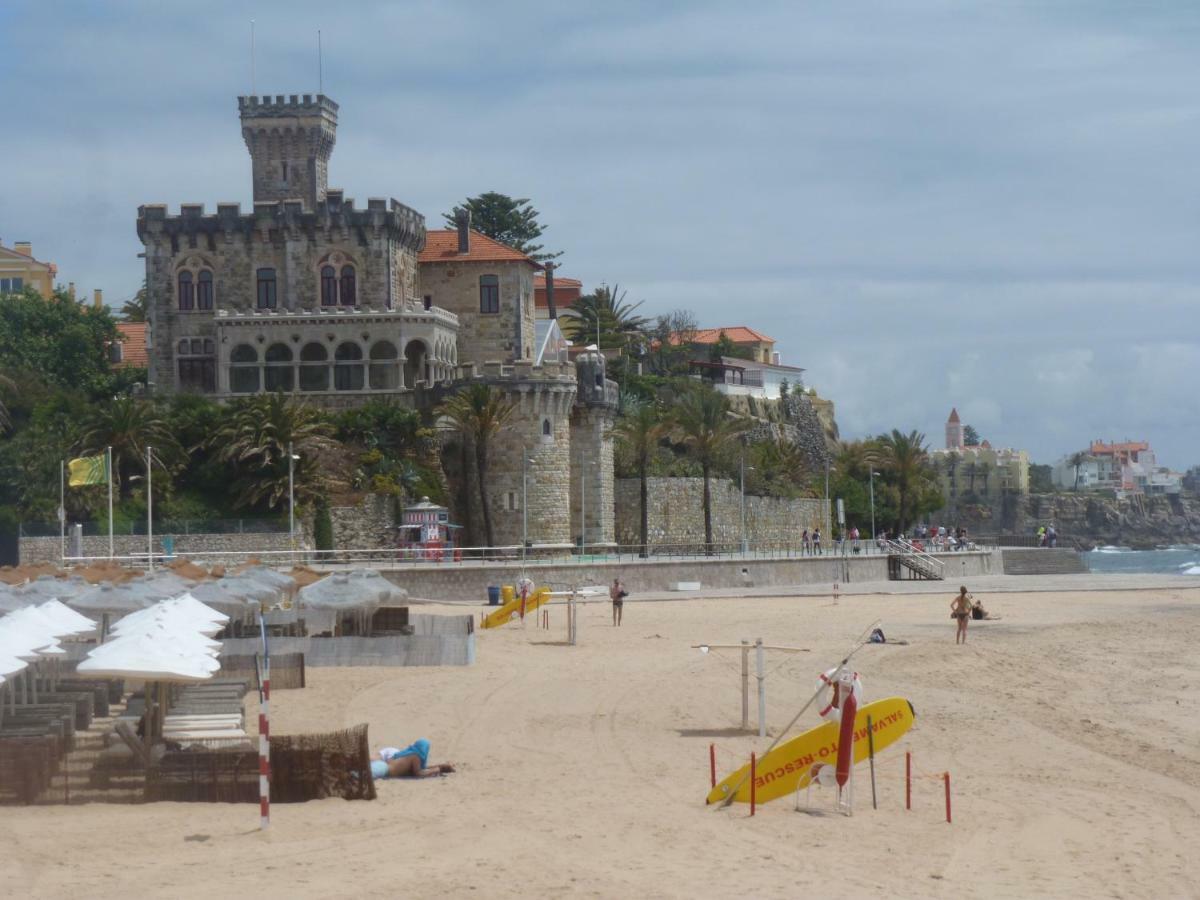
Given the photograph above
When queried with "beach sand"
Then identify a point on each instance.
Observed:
(1069, 727)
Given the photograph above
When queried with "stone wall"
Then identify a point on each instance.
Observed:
(592, 471)
(482, 338)
(470, 581)
(217, 548)
(368, 525)
(676, 514)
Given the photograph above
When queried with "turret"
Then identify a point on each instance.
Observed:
(290, 140)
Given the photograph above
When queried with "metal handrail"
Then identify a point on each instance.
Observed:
(906, 548)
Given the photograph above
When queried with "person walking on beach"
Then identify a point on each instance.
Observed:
(816, 540)
(617, 594)
(960, 611)
(805, 543)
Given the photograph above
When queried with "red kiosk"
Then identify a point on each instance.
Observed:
(425, 529)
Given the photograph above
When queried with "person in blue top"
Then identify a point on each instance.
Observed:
(411, 762)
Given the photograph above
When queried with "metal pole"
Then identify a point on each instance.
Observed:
(745, 685)
(149, 511)
(759, 664)
(62, 510)
(871, 751)
(742, 468)
(872, 504)
(108, 457)
(291, 498)
(524, 505)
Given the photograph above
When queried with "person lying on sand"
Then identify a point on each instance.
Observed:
(411, 762)
(978, 612)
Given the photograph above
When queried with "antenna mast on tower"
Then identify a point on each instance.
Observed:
(253, 90)
(320, 65)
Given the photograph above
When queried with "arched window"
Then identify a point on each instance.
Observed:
(384, 368)
(279, 368)
(314, 368)
(346, 290)
(243, 370)
(489, 294)
(348, 367)
(266, 288)
(547, 430)
(186, 297)
(328, 286)
(197, 365)
(415, 355)
(204, 290)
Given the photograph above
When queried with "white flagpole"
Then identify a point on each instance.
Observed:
(62, 509)
(108, 465)
(149, 514)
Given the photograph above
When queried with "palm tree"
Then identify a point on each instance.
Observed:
(137, 308)
(129, 425)
(855, 459)
(255, 438)
(984, 471)
(606, 306)
(708, 430)
(1077, 460)
(640, 428)
(906, 457)
(972, 469)
(478, 413)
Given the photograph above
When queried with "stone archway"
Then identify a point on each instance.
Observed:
(416, 363)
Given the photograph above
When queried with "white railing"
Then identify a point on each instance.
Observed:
(906, 548)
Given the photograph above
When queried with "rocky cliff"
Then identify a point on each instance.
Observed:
(1141, 523)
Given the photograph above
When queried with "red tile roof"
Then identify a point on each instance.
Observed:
(953, 415)
(133, 345)
(739, 334)
(442, 246)
(566, 291)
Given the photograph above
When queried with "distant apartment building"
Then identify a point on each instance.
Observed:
(1125, 468)
(978, 472)
(19, 270)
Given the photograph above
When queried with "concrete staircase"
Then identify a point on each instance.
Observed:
(1039, 561)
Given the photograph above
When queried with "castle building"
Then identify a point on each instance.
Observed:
(309, 295)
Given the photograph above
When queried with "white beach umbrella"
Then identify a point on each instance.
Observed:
(168, 628)
(224, 598)
(187, 614)
(148, 658)
(47, 587)
(10, 600)
(70, 621)
(164, 584)
(112, 599)
(285, 584)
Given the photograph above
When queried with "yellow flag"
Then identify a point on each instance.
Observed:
(88, 470)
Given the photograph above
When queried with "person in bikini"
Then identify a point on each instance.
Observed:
(960, 611)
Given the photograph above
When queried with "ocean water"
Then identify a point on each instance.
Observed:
(1180, 559)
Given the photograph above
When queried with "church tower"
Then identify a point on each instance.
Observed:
(290, 140)
(954, 431)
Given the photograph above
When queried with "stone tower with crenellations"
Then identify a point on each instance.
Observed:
(311, 295)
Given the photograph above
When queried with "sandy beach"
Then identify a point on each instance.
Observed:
(1069, 728)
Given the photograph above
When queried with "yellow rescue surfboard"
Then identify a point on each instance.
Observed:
(789, 766)
(512, 608)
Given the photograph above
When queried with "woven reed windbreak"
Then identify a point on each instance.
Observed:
(287, 670)
(303, 767)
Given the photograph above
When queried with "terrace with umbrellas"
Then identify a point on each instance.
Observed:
(118, 685)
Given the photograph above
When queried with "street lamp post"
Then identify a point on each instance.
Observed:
(582, 509)
(525, 461)
(872, 504)
(743, 467)
(292, 457)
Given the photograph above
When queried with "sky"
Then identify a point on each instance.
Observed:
(927, 203)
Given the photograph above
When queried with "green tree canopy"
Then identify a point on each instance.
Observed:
(509, 220)
(63, 342)
(971, 436)
(137, 308)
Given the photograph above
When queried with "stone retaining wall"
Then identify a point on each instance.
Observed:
(217, 548)
(470, 582)
(676, 514)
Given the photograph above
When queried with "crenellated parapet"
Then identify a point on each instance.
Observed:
(334, 215)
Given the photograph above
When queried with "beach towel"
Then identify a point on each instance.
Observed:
(418, 748)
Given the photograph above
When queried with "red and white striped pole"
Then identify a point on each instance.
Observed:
(264, 736)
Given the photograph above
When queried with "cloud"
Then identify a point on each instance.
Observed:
(927, 203)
